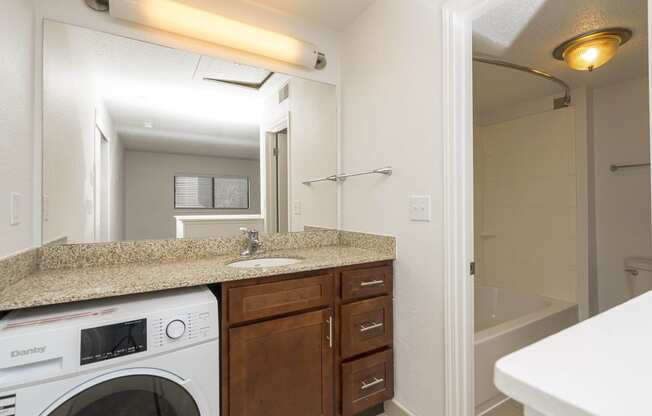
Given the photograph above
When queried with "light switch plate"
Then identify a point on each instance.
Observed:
(420, 208)
(14, 208)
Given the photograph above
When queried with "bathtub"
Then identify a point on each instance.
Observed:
(506, 321)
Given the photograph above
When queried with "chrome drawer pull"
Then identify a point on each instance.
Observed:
(376, 381)
(370, 326)
(372, 283)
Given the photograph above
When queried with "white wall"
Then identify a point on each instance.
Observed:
(149, 189)
(313, 153)
(582, 103)
(622, 199)
(391, 115)
(526, 204)
(313, 131)
(116, 172)
(71, 110)
(16, 121)
(68, 140)
(211, 226)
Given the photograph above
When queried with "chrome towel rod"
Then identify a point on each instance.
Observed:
(387, 170)
(615, 168)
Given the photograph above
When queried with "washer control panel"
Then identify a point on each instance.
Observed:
(175, 329)
(181, 328)
(111, 341)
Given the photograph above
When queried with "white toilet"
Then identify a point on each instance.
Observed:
(639, 275)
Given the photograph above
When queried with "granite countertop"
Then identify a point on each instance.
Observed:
(70, 284)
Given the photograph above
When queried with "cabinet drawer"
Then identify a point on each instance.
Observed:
(357, 284)
(367, 382)
(366, 325)
(247, 303)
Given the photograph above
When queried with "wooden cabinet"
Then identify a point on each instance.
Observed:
(307, 344)
(282, 367)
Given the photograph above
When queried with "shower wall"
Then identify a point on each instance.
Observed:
(621, 135)
(526, 204)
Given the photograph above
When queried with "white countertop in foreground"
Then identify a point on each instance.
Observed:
(602, 366)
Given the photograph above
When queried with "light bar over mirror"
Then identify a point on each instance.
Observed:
(172, 16)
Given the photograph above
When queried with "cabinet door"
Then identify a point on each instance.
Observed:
(282, 367)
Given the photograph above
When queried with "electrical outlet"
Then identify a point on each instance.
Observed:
(296, 208)
(14, 208)
(420, 208)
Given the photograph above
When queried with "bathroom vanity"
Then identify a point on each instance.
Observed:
(311, 337)
(307, 342)
(160, 142)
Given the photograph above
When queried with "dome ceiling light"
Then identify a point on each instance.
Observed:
(593, 49)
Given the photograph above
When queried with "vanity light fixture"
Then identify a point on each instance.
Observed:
(176, 17)
(593, 49)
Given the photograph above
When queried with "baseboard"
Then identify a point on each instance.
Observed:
(394, 408)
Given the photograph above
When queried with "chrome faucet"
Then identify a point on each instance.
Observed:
(253, 241)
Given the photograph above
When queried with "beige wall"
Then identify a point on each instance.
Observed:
(313, 153)
(116, 172)
(525, 200)
(16, 121)
(622, 199)
(391, 115)
(68, 140)
(313, 131)
(71, 146)
(149, 189)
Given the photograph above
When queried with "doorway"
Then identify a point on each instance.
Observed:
(459, 185)
(277, 168)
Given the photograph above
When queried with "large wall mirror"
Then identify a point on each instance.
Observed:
(141, 141)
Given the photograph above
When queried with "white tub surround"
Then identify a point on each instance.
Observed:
(506, 321)
(600, 367)
(205, 226)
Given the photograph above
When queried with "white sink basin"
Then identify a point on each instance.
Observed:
(264, 262)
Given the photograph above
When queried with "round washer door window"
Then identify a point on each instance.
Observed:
(134, 395)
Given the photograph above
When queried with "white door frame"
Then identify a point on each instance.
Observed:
(276, 126)
(458, 202)
(457, 49)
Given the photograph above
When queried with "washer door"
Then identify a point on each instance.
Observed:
(130, 395)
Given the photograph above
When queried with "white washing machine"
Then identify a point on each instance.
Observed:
(143, 355)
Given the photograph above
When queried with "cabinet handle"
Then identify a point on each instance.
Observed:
(330, 332)
(369, 326)
(372, 283)
(365, 385)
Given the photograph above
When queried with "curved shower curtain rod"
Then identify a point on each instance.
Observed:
(566, 100)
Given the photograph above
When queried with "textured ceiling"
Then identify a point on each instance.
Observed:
(527, 31)
(336, 14)
(143, 83)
